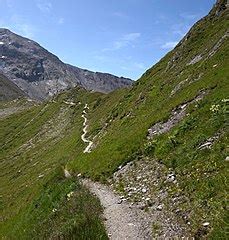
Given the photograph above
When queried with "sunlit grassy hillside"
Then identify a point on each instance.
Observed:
(35, 146)
(38, 143)
(198, 66)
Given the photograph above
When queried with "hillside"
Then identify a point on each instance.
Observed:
(36, 198)
(173, 124)
(9, 90)
(161, 146)
(40, 74)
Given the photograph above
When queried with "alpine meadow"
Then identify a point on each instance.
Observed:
(89, 155)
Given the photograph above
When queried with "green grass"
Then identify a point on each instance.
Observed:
(119, 122)
(34, 143)
(128, 114)
(52, 215)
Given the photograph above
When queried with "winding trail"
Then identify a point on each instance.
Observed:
(85, 126)
(122, 220)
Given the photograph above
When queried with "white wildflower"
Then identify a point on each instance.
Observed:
(206, 224)
(215, 108)
(69, 195)
(54, 210)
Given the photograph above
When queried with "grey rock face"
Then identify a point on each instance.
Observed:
(41, 74)
(8, 90)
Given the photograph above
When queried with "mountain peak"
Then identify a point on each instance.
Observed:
(41, 74)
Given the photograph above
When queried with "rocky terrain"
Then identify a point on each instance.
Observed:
(41, 74)
(146, 184)
(122, 220)
(8, 90)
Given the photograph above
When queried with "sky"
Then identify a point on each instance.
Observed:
(121, 37)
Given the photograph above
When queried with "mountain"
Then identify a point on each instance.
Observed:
(41, 74)
(8, 90)
(163, 143)
(161, 146)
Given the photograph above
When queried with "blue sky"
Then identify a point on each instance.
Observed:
(122, 37)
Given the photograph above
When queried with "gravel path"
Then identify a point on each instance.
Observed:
(83, 136)
(122, 220)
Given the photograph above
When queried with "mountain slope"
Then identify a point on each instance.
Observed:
(36, 198)
(173, 119)
(9, 90)
(41, 74)
(161, 144)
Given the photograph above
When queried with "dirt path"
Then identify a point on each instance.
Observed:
(122, 221)
(83, 136)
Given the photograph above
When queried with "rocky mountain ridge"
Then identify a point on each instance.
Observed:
(8, 90)
(40, 74)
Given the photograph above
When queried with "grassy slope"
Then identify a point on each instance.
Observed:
(120, 120)
(128, 115)
(35, 146)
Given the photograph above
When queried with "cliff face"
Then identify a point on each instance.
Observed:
(41, 74)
